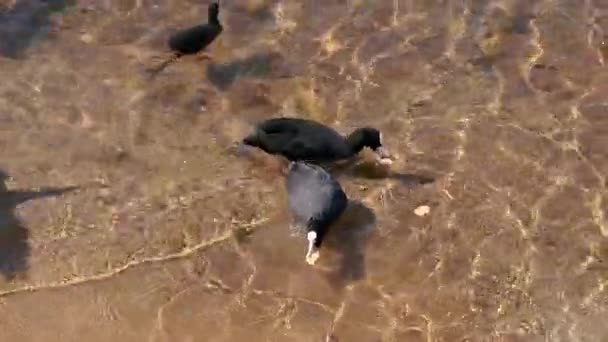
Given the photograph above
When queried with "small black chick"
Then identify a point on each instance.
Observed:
(194, 39)
(302, 139)
(316, 200)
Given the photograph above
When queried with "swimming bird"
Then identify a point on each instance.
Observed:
(315, 200)
(195, 39)
(308, 140)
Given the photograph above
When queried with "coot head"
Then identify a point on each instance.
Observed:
(213, 11)
(372, 138)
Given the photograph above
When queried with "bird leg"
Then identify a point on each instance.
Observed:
(312, 255)
(204, 56)
(156, 70)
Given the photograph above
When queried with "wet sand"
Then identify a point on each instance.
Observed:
(496, 110)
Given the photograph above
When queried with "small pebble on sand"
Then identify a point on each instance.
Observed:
(422, 210)
(86, 38)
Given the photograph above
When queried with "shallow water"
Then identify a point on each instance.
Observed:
(496, 110)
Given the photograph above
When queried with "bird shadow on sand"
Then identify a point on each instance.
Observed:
(375, 171)
(14, 236)
(262, 12)
(262, 65)
(346, 242)
(353, 168)
(25, 23)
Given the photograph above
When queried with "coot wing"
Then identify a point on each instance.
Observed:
(308, 131)
(301, 139)
(179, 39)
(313, 195)
(299, 148)
(323, 143)
(193, 39)
(281, 125)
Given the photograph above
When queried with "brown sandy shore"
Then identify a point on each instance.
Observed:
(172, 237)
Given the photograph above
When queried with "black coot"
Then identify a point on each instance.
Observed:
(315, 200)
(308, 140)
(194, 39)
